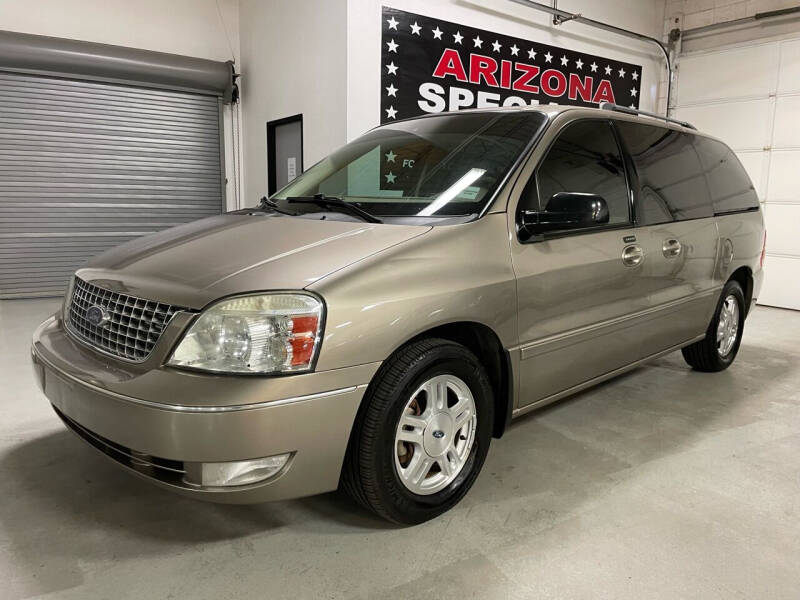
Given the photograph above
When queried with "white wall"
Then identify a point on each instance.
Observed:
(295, 61)
(503, 16)
(199, 28)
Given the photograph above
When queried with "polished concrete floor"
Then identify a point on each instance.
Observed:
(663, 483)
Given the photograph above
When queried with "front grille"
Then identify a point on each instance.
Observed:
(133, 327)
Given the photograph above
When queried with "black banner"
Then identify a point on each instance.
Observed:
(430, 65)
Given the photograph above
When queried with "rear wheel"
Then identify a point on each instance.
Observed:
(718, 349)
(422, 433)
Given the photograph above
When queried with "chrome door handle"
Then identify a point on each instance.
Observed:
(632, 255)
(671, 248)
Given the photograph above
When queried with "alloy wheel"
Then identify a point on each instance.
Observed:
(435, 434)
(728, 326)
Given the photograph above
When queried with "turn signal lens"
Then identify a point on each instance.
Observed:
(272, 333)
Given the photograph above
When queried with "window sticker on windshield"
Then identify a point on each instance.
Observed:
(470, 193)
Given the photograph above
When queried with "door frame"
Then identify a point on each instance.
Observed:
(271, 166)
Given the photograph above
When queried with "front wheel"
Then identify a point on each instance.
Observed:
(422, 434)
(718, 349)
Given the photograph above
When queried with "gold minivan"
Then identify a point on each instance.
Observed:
(378, 321)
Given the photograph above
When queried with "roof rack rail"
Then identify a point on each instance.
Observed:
(636, 111)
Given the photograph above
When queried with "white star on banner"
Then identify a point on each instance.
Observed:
(548, 57)
(531, 53)
(622, 72)
(415, 28)
(390, 177)
(579, 64)
(437, 33)
(391, 113)
(515, 50)
(564, 61)
(593, 66)
(478, 41)
(496, 46)
(392, 23)
(635, 76)
(392, 46)
(633, 91)
(390, 156)
(458, 37)
(391, 68)
(608, 70)
(391, 90)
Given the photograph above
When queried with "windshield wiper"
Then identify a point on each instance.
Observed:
(333, 202)
(268, 204)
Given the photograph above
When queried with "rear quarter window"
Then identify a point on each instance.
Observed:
(728, 183)
(672, 183)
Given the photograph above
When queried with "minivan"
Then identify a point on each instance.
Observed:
(374, 324)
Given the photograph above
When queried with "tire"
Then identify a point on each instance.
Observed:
(709, 354)
(374, 472)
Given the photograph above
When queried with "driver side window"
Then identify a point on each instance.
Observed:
(584, 159)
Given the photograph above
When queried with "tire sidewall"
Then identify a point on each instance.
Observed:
(449, 359)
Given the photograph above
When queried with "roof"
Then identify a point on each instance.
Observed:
(553, 110)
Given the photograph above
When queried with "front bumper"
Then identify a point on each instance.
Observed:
(153, 423)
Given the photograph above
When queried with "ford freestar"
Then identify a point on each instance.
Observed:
(378, 321)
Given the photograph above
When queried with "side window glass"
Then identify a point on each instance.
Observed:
(671, 180)
(586, 159)
(730, 186)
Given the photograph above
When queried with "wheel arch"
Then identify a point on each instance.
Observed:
(745, 278)
(482, 341)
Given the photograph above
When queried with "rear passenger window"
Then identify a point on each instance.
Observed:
(730, 186)
(671, 178)
(585, 158)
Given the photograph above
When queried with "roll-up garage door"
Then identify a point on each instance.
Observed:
(85, 166)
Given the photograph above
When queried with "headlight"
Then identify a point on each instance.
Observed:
(270, 333)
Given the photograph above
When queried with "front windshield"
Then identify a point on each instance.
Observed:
(438, 166)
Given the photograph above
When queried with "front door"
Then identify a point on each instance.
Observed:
(580, 292)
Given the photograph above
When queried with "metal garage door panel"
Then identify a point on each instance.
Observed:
(781, 269)
(86, 166)
(752, 118)
(789, 75)
(782, 182)
(739, 73)
(787, 122)
(783, 225)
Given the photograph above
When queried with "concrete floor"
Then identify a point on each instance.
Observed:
(663, 483)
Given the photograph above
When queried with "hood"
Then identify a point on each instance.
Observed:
(194, 264)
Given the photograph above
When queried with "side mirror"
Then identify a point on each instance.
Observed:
(566, 210)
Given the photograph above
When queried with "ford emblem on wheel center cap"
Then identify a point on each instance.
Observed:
(97, 316)
(438, 434)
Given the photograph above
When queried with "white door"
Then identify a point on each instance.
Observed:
(749, 97)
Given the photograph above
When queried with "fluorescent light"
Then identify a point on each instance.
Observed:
(454, 190)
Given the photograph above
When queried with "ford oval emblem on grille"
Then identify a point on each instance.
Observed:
(97, 315)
